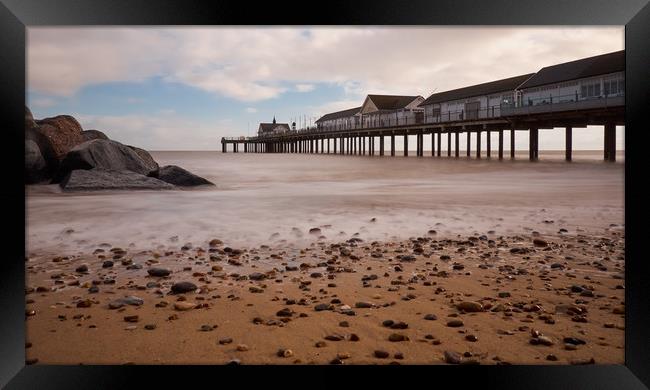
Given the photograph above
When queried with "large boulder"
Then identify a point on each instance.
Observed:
(93, 134)
(180, 177)
(146, 158)
(103, 179)
(29, 119)
(35, 166)
(102, 154)
(63, 133)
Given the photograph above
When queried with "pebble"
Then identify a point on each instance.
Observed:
(159, 272)
(381, 354)
(206, 328)
(242, 347)
(430, 317)
(285, 353)
(183, 287)
(453, 357)
(395, 337)
(150, 326)
(363, 305)
(133, 318)
(323, 306)
(82, 268)
(107, 264)
(183, 306)
(455, 323)
(471, 337)
(226, 340)
(470, 307)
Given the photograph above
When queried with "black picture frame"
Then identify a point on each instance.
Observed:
(16, 15)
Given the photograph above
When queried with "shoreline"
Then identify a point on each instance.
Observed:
(523, 288)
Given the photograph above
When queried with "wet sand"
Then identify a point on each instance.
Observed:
(414, 246)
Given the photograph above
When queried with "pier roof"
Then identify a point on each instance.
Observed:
(391, 102)
(488, 88)
(586, 67)
(339, 114)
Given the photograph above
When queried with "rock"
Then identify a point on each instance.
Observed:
(334, 337)
(84, 303)
(315, 231)
(455, 323)
(103, 179)
(102, 154)
(582, 361)
(396, 337)
(381, 354)
(471, 337)
(574, 341)
(285, 353)
(133, 318)
(150, 326)
(184, 306)
(158, 272)
(363, 305)
(29, 119)
(83, 268)
(62, 132)
(453, 357)
(430, 317)
(146, 158)
(179, 177)
(399, 325)
(107, 264)
(540, 243)
(93, 134)
(215, 242)
(257, 276)
(35, 165)
(504, 294)
(226, 340)
(121, 302)
(286, 312)
(323, 306)
(183, 287)
(470, 307)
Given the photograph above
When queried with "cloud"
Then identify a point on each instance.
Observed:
(305, 87)
(44, 102)
(255, 64)
(251, 110)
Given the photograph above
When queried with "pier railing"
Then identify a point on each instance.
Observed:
(539, 105)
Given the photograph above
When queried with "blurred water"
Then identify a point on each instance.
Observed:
(257, 195)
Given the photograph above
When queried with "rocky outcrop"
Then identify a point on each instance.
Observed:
(35, 166)
(93, 134)
(180, 177)
(63, 133)
(148, 161)
(29, 119)
(102, 154)
(103, 179)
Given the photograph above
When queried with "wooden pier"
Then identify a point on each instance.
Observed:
(362, 141)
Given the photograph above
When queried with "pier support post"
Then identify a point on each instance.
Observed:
(406, 144)
(512, 144)
(568, 143)
(610, 142)
(478, 144)
(488, 150)
(392, 145)
(469, 144)
(439, 135)
(532, 144)
(433, 143)
(381, 145)
(457, 144)
(360, 151)
(500, 144)
(448, 143)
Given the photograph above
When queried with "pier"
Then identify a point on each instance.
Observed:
(609, 113)
(571, 95)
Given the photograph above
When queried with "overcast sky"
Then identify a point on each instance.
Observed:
(185, 88)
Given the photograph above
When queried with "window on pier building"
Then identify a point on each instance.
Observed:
(613, 87)
(590, 90)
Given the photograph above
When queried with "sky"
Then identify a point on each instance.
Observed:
(183, 88)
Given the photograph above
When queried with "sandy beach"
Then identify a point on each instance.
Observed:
(330, 260)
